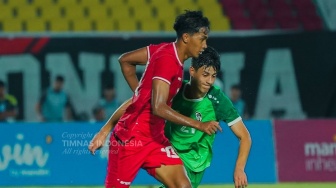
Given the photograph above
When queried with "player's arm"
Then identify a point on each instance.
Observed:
(99, 139)
(128, 62)
(240, 130)
(160, 92)
(38, 107)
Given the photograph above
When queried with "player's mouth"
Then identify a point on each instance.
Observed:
(206, 87)
(201, 52)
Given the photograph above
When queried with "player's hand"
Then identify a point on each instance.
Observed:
(97, 142)
(210, 127)
(240, 178)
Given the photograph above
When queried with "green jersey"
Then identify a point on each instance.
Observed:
(194, 146)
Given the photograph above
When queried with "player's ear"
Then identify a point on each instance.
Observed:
(192, 71)
(185, 38)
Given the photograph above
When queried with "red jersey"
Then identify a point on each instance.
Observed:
(138, 120)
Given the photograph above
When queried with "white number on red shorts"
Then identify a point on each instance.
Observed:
(170, 152)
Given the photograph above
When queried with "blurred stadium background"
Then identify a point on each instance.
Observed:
(281, 52)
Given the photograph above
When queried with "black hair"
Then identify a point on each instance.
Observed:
(59, 78)
(208, 58)
(190, 22)
(2, 83)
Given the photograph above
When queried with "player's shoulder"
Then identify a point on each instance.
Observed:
(216, 92)
(158, 47)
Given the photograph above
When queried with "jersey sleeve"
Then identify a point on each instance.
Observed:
(153, 48)
(164, 69)
(224, 109)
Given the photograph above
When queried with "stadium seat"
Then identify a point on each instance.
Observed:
(168, 12)
(81, 25)
(162, 5)
(136, 3)
(267, 23)
(255, 5)
(286, 18)
(303, 5)
(90, 3)
(289, 23)
(150, 25)
(185, 5)
(212, 10)
(220, 24)
(26, 12)
(98, 12)
(74, 12)
(127, 25)
(67, 3)
(17, 3)
(241, 23)
(43, 3)
(282, 4)
(51, 12)
(310, 22)
(12, 25)
(235, 13)
(6, 12)
(168, 24)
(59, 25)
(231, 5)
(114, 3)
(143, 13)
(122, 12)
(104, 25)
(35, 25)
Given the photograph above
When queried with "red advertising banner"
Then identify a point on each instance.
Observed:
(306, 150)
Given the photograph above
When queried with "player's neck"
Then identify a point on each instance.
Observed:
(191, 92)
(181, 51)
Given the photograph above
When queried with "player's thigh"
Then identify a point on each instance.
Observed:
(173, 176)
(124, 163)
(165, 165)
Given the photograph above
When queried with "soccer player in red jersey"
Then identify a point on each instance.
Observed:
(138, 139)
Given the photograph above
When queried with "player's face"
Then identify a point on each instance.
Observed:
(204, 78)
(197, 42)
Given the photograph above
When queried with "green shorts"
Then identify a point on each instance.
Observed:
(195, 177)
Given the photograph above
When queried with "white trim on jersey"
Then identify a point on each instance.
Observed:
(234, 121)
(148, 54)
(160, 78)
(176, 54)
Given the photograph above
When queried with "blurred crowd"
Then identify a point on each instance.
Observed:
(54, 105)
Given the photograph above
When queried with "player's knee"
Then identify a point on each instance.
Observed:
(184, 184)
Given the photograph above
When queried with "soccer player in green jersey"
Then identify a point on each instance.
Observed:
(199, 99)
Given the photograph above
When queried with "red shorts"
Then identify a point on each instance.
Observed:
(126, 159)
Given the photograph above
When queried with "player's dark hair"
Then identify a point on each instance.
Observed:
(209, 58)
(190, 22)
(59, 78)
